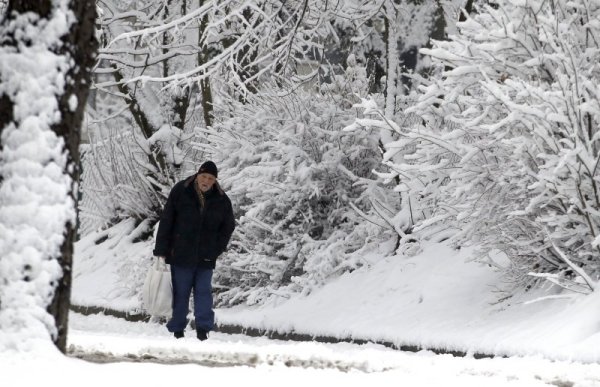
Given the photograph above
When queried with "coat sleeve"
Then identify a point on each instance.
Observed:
(164, 235)
(227, 227)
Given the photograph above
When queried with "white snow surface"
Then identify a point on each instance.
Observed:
(145, 354)
(438, 299)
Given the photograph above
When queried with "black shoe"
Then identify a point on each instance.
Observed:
(178, 334)
(201, 335)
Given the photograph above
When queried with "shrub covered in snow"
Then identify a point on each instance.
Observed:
(507, 148)
(294, 174)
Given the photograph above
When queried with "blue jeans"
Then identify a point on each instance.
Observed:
(186, 278)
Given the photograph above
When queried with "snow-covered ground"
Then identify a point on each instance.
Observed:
(438, 299)
(121, 353)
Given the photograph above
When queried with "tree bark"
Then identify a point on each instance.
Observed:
(180, 99)
(467, 11)
(81, 45)
(205, 89)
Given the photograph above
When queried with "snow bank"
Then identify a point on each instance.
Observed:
(437, 299)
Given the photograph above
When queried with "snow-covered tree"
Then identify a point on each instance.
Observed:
(397, 30)
(47, 50)
(506, 150)
(238, 42)
(275, 93)
(164, 67)
(137, 131)
(295, 176)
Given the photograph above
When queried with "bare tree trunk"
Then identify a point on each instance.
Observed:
(466, 12)
(180, 99)
(81, 46)
(205, 90)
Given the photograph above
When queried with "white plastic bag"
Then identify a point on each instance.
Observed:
(158, 290)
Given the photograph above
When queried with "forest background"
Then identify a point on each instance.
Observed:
(342, 128)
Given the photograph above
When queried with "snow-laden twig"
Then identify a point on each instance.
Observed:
(590, 283)
(562, 282)
(555, 297)
(164, 27)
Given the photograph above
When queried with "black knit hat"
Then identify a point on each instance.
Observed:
(209, 167)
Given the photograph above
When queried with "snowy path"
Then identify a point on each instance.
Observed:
(152, 354)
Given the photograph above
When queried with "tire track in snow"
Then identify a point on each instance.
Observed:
(220, 359)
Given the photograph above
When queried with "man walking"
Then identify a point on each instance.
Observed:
(195, 227)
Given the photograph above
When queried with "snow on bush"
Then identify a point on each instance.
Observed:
(292, 173)
(507, 150)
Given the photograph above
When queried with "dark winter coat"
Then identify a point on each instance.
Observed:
(190, 235)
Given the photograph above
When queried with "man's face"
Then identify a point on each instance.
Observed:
(206, 181)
